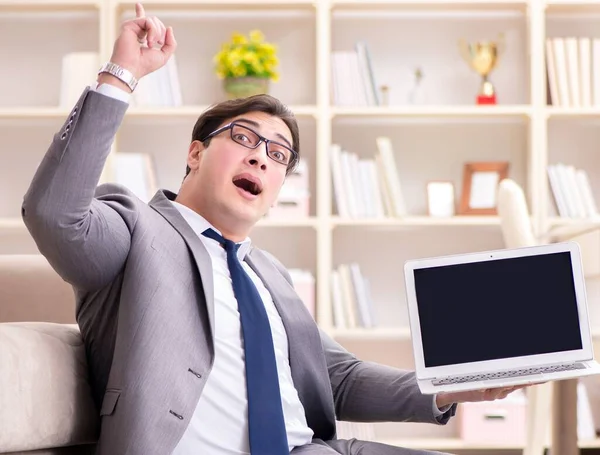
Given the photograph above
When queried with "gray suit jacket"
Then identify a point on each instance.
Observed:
(145, 307)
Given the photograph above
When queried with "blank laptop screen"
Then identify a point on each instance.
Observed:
(497, 309)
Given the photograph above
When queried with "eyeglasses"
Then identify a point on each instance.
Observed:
(249, 138)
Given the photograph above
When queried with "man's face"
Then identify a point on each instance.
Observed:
(238, 184)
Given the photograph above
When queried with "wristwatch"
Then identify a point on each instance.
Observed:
(120, 73)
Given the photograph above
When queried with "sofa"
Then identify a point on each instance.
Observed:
(46, 402)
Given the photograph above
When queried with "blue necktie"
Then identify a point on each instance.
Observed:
(266, 425)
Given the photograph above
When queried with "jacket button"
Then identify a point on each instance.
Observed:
(63, 136)
(198, 375)
(180, 417)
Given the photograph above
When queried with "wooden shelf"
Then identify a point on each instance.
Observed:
(195, 111)
(12, 223)
(48, 5)
(374, 334)
(422, 221)
(572, 112)
(434, 111)
(291, 223)
(576, 6)
(12, 113)
(496, 5)
(217, 4)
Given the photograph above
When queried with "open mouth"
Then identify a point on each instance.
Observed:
(248, 183)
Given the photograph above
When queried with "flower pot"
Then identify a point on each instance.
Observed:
(242, 87)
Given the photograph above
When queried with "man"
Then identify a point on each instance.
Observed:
(196, 341)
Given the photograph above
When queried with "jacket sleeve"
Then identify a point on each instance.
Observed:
(371, 392)
(85, 235)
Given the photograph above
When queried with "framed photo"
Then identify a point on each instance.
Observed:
(480, 186)
(440, 199)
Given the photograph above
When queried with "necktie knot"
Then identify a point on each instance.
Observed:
(228, 244)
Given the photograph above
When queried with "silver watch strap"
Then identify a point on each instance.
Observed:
(120, 73)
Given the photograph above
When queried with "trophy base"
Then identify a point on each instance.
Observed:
(486, 99)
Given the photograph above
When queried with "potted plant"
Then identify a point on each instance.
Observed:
(246, 65)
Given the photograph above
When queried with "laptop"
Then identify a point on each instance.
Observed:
(499, 318)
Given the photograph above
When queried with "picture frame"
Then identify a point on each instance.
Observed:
(480, 187)
(441, 202)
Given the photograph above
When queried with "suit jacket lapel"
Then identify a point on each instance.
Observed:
(161, 202)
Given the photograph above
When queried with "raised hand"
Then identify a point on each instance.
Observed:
(143, 46)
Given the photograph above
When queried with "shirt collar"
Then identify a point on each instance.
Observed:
(199, 224)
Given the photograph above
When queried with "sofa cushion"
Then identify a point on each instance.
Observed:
(30, 290)
(45, 395)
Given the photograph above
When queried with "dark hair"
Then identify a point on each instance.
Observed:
(218, 114)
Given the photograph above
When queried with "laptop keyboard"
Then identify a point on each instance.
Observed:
(508, 374)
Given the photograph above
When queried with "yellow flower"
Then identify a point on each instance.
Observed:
(244, 56)
(256, 36)
(238, 38)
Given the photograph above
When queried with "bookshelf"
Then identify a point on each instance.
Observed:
(431, 141)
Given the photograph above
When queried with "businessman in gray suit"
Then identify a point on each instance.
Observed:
(196, 340)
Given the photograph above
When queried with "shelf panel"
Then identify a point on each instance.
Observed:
(440, 5)
(374, 334)
(48, 5)
(195, 111)
(283, 222)
(11, 113)
(217, 4)
(572, 112)
(433, 111)
(418, 221)
(574, 6)
(12, 223)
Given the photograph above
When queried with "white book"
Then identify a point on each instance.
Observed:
(386, 196)
(338, 307)
(567, 190)
(366, 74)
(175, 83)
(362, 304)
(349, 298)
(79, 70)
(551, 70)
(339, 190)
(572, 54)
(384, 145)
(585, 71)
(562, 73)
(559, 197)
(375, 194)
(356, 186)
(578, 197)
(359, 97)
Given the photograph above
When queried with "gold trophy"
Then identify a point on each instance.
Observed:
(483, 56)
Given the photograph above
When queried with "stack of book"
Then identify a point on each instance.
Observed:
(367, 188)
(351, 297)
(573, 70)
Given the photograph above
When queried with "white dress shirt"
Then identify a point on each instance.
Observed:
(219, 425)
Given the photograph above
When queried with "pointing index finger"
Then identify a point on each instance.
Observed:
(139, 10)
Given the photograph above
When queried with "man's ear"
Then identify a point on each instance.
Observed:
(195, 154)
